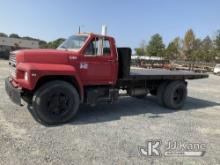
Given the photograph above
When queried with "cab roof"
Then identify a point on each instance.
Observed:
(93, 34)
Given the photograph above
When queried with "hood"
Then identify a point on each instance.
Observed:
(52, 56)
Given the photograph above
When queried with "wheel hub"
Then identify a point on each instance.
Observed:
(58, 103)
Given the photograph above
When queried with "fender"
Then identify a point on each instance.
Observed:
(38, 70)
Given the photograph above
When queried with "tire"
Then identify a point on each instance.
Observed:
(56, 102)
(27, 99)
(160, 93)
(153, 92)
(175, 95)
(141, 96)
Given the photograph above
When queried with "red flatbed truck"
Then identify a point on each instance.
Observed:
(86, 69)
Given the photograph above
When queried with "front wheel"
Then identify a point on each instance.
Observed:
(55, 102)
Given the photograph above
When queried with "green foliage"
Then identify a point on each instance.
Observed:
(195, 51)
(217, 45)
(54, 44)
(189, 48)
(3, 35)
(139, 51)
(42, 44)
(156, 46)
(172, 50)
(14, 35)
(217, 40)
(203, 50)
(207, 50)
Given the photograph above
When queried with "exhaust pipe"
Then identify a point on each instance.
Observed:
(104, 30)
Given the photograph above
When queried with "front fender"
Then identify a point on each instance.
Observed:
(36, 71)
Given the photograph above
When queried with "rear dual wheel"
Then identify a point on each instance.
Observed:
(172, 94)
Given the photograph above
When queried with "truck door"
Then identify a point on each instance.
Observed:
(98, 65)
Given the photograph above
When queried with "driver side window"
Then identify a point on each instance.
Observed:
(98, 47)
(92, 49)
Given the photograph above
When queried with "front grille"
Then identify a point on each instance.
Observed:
(12, 64)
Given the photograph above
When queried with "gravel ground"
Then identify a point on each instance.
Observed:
(111, 133)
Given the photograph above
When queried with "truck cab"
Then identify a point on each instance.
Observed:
(91, 58)
(85, 69)
(97, 61)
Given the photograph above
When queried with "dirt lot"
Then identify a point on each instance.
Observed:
(111, 134)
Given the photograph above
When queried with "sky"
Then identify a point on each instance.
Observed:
(129, 21)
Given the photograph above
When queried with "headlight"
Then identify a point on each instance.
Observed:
(26, 76)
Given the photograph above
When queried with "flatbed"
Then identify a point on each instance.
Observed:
(163, 74)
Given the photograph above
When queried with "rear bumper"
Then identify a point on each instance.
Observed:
(13, 93)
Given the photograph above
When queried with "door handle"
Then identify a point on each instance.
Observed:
(110, 60)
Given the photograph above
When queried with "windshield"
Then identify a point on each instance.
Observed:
(74, 42)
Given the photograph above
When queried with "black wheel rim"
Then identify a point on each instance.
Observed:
(58, 103)
(178, 95)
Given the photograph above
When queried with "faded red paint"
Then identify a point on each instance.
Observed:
(102, 70)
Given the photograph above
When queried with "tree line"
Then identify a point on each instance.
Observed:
(42, 44)
(189, 48)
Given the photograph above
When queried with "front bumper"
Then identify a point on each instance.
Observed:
(13, 92)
